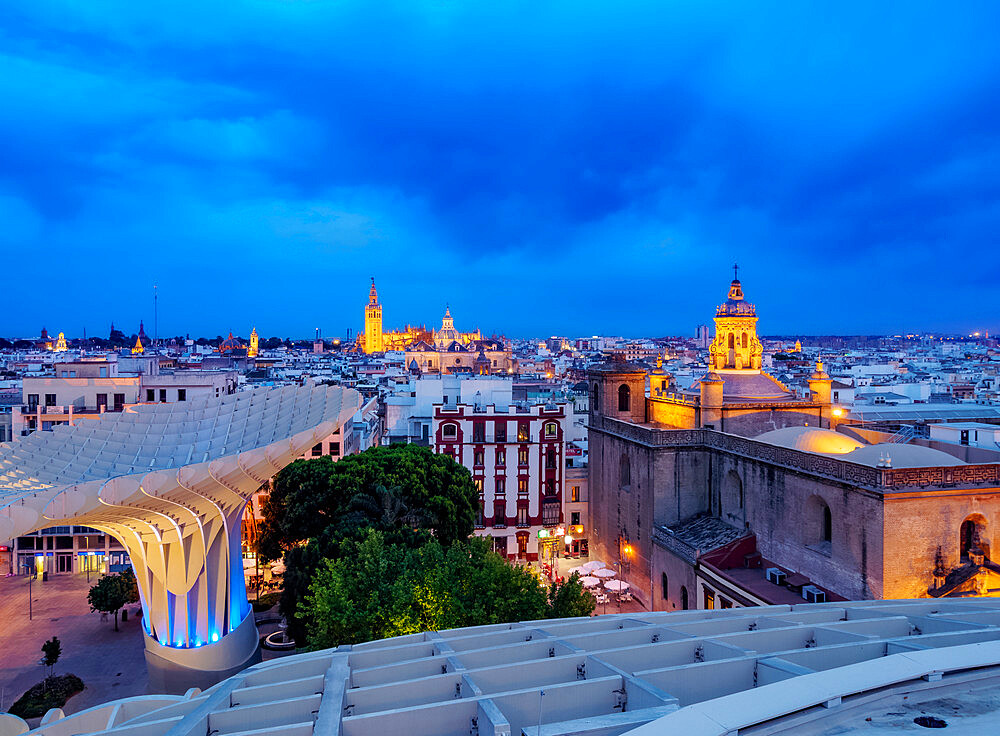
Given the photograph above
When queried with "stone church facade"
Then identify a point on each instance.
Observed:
(698, 493)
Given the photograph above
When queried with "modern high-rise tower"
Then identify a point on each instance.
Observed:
(373, 322)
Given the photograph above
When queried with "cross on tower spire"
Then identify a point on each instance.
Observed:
(736, 272)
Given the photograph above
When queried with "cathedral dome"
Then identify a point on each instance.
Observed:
(902, 456)
(811, 439)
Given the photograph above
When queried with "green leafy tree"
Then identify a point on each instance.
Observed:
(570, 599)
(311, 496)
(50, 654)
(317, 506)
(112, 592)
(376, 590)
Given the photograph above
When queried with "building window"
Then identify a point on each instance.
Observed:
(725, 602)
(574, 518)
(103, 371)
(501, 484)
(479, 432)
(50, 399)
(317, 450)
(827, 525)
(709, 594)
(449, 431)
(477, 458)
(624, 398)
(550, 487)
(970, 536)
(334, 448)
(663, 587)
(182, 394)
(574, 494)
(163, 395)
(119, 402)
(551, 430)
(550, 458)
(522, 516)
(522, 486)
(151, 394)
(500, 545)
(684, 598)
(522, 457)
(501, 458)
(624, 472)
(595, 399)
(550, 512)
(522, 431)
(499, 515)
(501, 431)
(32, 401)
(478, 483)
(480, 518)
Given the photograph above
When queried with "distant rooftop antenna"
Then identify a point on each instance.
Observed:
(155, 319)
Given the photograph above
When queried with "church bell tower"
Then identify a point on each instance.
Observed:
(736, 346)
(373, 322)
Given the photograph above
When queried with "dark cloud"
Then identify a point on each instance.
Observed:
(544, 169)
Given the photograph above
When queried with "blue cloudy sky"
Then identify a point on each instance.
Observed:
(545, 167)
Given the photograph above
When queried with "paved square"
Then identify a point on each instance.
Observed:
(111, 664)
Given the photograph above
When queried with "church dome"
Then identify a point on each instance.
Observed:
(902, 456)
(230, 344)
(811, 439)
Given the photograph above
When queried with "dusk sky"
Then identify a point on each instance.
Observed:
(546, 168)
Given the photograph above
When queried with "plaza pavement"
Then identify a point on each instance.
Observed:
(111, 664)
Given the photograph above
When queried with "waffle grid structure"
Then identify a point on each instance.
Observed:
(776, 669)
(171, 482)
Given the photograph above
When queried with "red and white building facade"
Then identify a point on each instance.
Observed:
(517, 460)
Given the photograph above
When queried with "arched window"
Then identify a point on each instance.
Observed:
(624, 398)
(967, 534)
(971, 534)
(732, 340)
(744, 339)
(595, 399)
(449, 431)
(818, 529)
(684, 598)
(663, 583)
(624, 473)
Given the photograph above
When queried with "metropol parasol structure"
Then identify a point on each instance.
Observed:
(171, 482)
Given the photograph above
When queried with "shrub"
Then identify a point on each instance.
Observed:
(52, 692)
(266, 601)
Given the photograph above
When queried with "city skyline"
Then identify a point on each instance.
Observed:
(554, 170)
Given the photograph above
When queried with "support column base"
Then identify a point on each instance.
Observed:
(173, 670)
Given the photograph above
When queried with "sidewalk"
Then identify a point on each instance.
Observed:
(111, 664)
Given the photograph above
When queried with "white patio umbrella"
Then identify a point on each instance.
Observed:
(589, 582)
(616, 585)
(604, 573)
(592, 565)
(578, 570)
(278, 568)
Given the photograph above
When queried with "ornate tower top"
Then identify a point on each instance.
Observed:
(736, 346)
(373, 294)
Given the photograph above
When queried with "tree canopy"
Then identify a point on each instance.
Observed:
(316, 506)
(395, 489)
(376, 590)
(113, 592)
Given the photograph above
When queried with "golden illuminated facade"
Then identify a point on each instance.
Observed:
(60, 344)
(254, 348)
(373, 340)
(735, 346)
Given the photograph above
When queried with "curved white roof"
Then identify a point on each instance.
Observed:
(811, 439)
(691, 672)
(902, 456)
